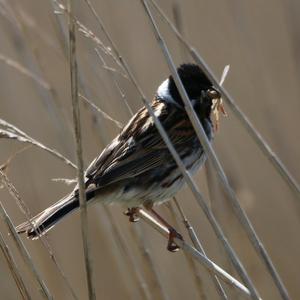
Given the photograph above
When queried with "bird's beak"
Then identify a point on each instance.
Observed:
(217, 107)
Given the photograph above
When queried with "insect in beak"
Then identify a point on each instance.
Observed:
(217, 107)
(217, 101)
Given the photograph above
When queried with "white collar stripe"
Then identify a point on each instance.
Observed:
(164, 93)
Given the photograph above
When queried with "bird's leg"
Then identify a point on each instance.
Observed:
(172, 231)
(132, 214)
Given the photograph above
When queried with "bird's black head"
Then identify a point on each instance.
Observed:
(198, 87)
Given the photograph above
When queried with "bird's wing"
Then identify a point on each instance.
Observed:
(139, 146)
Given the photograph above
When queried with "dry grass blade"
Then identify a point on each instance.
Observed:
(224, 74)
(12, 132)
(100, 111)
(80, 170)
(4, 167)
(25, 254)
(15, 65)
(89, 34)
(109, 69)
(14, 193)
(14, 269)
(65, 180)
(113, 77)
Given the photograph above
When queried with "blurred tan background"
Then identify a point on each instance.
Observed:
(259, 39)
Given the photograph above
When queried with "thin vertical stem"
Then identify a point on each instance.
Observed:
(80, 170)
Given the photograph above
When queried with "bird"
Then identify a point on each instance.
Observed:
(136, 168)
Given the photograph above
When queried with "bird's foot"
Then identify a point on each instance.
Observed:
(132, 214)
(172, 246)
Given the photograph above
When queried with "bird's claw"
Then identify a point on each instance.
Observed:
(132, 214)
(172, 246)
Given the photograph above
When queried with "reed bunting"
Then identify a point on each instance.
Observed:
(136, 168)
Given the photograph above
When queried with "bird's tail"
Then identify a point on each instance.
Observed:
(46, 219)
